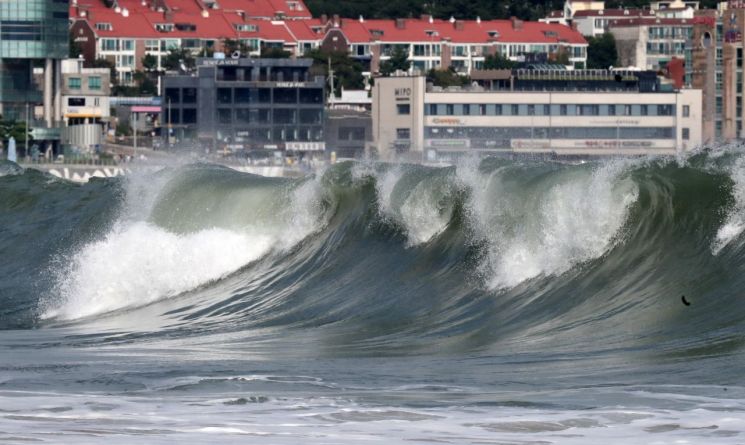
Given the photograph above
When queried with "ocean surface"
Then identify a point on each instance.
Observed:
(491, 302)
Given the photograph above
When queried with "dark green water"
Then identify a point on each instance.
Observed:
(492, 302)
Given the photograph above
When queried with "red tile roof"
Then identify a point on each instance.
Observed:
(467, 31)
(139, 21)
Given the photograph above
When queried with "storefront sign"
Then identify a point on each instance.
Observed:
(305, 146)
(446, 121)
(462, 143)
(290, 84)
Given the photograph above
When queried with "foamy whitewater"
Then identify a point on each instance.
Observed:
(494, 301)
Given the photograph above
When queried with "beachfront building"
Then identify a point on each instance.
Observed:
(85, 105)
(592, 18)
(33, 32)
(551, 112)
(651, 43)
(461, 44)
(125, 31)
(243, 104)
(714, 64)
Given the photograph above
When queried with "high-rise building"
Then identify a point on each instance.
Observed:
(33, 32)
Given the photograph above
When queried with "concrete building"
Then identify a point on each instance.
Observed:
(85, 104)
(349, 124)
(33, 31)
(415, 121)
(714, 63)
(595, 22)
(651, 43)
(245, 104)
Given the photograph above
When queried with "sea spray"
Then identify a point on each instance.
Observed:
(541, 220)
(147, 256)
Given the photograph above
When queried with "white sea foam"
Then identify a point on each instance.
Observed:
(546, 230)
(117, 419)
(735, 222)
(416, 210)
(139, 262)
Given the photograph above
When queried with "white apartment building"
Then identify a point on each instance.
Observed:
(415, 122)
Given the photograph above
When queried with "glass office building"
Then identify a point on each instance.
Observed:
(32, 33)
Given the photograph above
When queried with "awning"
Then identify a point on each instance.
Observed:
(145, 109)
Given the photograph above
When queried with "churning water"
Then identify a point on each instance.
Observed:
(498, 301)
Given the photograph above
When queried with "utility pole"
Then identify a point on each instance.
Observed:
(135, 133)
(331, 81)
(168, 135)
(27, 132)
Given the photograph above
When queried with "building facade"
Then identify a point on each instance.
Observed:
(463, 45)
(247, 104)
(414, 121)
(85, 105)
(33, 31)
(125, 32)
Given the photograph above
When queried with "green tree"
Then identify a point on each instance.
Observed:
(601, 52)
(347, 71)
(446, 78)
(177, 57)
(229, 46)
(145, 84)
(150, 62)
(270, 52)
(14, 129)
(498, 62)
(399, 61)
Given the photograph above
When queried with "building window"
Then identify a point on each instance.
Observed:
(94, 83)
(611, 110)
(109, 44)
(189, 116)
(514, 109)
(76, 102)
(547, 110)
(102, 26)
(686, 134)
(403, 133)
(466, 109)
(644, 110)
(664, 110)
(432, 109)
(563, 110)
(498, 110)
(531, 110)
(686, 111)
(73, 83)
(482, 110)
(224, 96)
(224, 116)
(449, 109)
(627, 110)
(403, 109)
